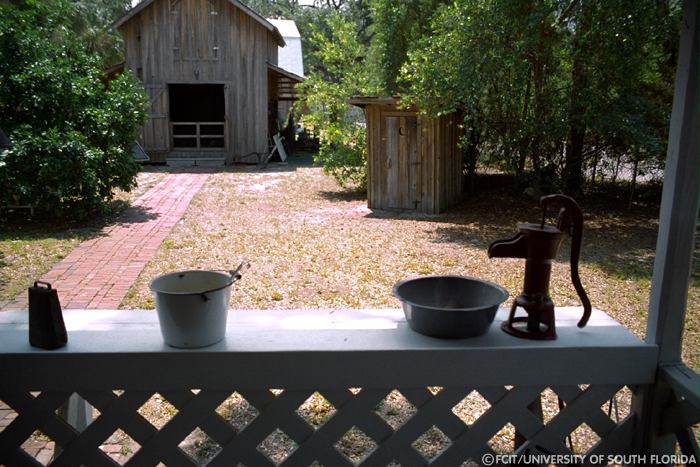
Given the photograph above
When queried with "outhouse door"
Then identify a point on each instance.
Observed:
(402, 166)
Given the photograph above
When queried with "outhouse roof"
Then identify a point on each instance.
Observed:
(385, 101)
(362, 101)
(265, 23)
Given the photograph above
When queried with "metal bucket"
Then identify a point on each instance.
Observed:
(192, 306)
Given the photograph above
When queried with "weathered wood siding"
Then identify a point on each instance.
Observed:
(203, 42)
(413, 161)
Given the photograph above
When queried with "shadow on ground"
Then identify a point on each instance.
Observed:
(343, 196)
(616, 239)
(134, 215)
(292, 164)
(38, 228)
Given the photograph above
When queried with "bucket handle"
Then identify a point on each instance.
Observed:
(235, 275)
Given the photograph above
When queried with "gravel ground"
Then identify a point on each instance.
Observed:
(313, 245)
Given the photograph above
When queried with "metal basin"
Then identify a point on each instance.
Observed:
(449, 306)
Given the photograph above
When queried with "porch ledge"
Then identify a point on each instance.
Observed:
(110, 349)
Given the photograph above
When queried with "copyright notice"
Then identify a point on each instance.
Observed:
(579, 459)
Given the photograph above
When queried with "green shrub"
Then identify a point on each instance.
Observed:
(325, 95)
(343, 155)
(72, 136)
(54, 171)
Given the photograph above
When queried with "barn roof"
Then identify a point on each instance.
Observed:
(286, 73)
(290, 57)
(286, 83)
(262, 21)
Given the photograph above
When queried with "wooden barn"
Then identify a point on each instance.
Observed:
(413, 161)
(210, 70)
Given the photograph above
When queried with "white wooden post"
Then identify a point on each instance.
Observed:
(679, 204)
(677, 224)
(78, 412)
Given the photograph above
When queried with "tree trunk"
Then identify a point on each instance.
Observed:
(574, 157)
(471, 155)
(633, 186)
(538, 78)
(618, 161)
(577, 126)
(539, 59)
(595, 167)
(522, 145)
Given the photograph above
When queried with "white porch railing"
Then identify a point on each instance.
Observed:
(422, 400)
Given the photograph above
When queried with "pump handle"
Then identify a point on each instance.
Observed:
(570, 220)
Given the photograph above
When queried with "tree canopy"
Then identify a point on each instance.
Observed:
(551, 87)
(91, 20)
(551, 91)
(326, 93)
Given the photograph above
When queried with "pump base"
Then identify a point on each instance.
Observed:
(539, 322)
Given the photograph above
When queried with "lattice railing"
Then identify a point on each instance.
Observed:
(329, 427)
(152, 404)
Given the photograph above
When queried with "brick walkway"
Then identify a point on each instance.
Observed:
(99, 272)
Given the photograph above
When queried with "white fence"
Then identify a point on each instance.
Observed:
(354, 387)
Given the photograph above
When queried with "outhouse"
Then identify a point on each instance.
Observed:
(413, 161)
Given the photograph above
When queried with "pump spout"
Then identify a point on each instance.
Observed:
(515, 247)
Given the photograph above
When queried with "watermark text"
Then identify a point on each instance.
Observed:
(581, 459)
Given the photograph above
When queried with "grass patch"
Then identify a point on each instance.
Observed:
(28, 252)
(29, 247)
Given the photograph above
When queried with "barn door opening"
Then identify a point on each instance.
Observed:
(402, 183)
(197, 116)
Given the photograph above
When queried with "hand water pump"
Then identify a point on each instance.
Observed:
(539, 245)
